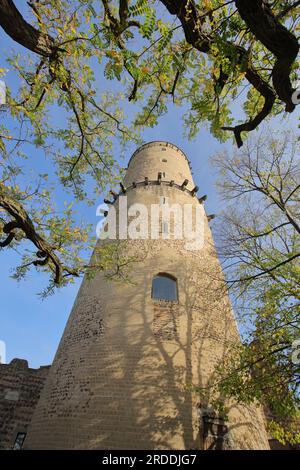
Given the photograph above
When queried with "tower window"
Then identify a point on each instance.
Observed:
(163, 149)
(164, 287)
(164, 160)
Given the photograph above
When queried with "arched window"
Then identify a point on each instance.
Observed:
(164, 287)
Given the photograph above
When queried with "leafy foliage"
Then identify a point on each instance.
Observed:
(86, 59)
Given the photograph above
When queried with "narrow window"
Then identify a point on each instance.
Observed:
(19, 441)
(163, 149)
(164, 287)
(164, 160)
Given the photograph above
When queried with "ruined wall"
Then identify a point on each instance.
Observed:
(20, 388)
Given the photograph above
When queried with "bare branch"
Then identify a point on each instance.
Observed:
(266, 271)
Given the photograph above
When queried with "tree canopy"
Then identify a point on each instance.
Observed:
(210, 57)
(259, 241)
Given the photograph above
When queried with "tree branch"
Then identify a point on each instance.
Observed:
(289, 8)
(277, 39)
(266, 271)
(191, 20)
(22, 32)
(269, 96)
(22, 221)
(264, 234)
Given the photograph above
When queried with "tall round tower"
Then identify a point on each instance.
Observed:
(122, 375)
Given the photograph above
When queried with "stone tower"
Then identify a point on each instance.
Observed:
(131, 349)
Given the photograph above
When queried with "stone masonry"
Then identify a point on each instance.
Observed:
(20, 388)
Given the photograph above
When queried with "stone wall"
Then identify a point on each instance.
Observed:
(20, 388)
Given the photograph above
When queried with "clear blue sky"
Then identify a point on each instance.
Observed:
(32, 328)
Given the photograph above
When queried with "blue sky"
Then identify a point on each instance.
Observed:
(30, 327)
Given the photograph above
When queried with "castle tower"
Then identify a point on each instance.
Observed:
(133, 346)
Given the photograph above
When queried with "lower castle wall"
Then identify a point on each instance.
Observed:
(20, 388)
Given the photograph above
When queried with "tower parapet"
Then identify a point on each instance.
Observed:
(159, 157)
